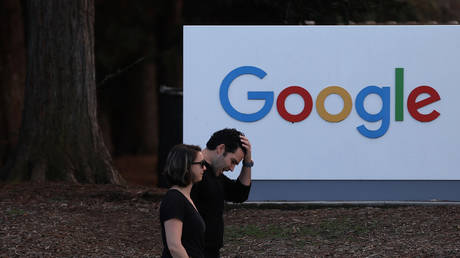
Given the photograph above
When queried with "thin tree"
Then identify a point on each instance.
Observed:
(60, 139)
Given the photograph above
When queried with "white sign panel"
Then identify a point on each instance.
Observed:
(329, 102)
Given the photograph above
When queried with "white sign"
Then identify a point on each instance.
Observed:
(329, 102)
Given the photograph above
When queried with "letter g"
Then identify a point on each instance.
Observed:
(264, 95)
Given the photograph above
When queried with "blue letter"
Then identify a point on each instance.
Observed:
(383, 115)
(265, 95)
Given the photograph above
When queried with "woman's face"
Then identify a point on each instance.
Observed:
(197, 169)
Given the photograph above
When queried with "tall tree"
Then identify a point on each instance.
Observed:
(60, 139)
(12, 75)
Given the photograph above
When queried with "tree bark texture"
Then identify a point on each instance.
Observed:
(60, 139)
(12, 75)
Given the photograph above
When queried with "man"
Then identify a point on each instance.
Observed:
(224, 150)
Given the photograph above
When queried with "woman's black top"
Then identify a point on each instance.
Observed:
(176, 206)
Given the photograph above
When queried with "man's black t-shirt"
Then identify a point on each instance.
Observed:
(176, 206)
(209, 196)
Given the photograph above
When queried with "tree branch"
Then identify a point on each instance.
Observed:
(120, 71)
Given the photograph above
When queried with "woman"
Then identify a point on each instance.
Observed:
(182, 227)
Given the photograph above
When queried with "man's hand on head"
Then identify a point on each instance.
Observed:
(247, 145)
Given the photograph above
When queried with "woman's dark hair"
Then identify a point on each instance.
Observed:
(178, 163)
(228, 136)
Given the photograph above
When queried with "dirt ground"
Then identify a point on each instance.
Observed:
(62, 220)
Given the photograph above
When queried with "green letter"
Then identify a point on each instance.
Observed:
(399, 94)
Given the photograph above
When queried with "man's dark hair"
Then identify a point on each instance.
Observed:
(178, 164)
(228, 136)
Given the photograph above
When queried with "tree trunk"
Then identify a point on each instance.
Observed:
(149, 109)
(12, 75)
(60, 139)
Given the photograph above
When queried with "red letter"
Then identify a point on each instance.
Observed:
(413, 106)
(308, 104)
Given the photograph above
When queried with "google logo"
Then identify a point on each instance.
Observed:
(413, 105)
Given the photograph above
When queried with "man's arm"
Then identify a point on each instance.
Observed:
(245, 174)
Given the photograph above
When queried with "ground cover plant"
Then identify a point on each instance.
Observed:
(112, 221)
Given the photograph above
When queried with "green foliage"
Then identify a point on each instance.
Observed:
(328, 229)
(269, 231)
(323, 12)
(126, 31)
(15, 212)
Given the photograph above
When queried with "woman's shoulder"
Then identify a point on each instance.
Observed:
(172, 203)
(173, 194)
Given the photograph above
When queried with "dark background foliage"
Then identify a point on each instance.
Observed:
(138, 47)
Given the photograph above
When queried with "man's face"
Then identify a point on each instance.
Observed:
(229, 160)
